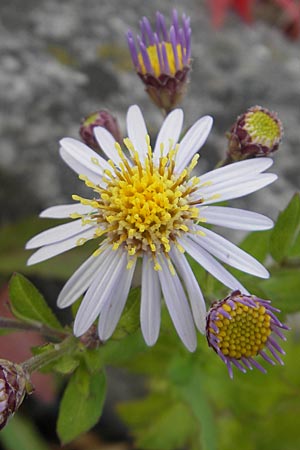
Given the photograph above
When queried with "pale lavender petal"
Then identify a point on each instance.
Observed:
(193, 141)
(210, 264)
(100, 291)
(137, 131)
(64, 211)
(169, 134)
(237, 219)
(107, 143)
(60, 247)
(112, 309)
(150, 302)
(81, 279)
(242, 169)
(178, 306)
(57, 234)
(229, 253)
(234, 188)
(192, 287)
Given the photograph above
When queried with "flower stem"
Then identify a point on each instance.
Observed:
(14, 324)
(58, 350)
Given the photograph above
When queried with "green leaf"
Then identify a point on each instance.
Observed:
(28, 304)
(158, 422)
(81, 405)
(187, 376)
(130, 319)
(283, 289)
(286, 229)
(20, 434)
(257, 244)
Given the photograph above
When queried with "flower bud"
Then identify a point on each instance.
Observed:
(257, 132)
(14, 384)
(99, 119)
(162, 59)
(241, 327)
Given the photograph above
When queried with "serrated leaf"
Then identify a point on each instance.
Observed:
(81, 405)
(28, 304)
(286, 230)
(283, 289)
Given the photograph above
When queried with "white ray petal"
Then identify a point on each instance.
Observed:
(193, 141)
(64, 211)
(210, 264)
(79, 168)
(60, 247)
(169, 134)
(192, 287)
(229, 253)
(177, 305)
(237, 219)
(137, 130)
(150, 302)
(100, 291)
(107, 143)
(57, 234)
(84, 154)
(235, 190)
(81, 280)
(241, 169)
(112, 310)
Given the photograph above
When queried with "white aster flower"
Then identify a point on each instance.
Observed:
(147, 205)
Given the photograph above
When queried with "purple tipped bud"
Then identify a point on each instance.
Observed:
(162, 59)
(103, 119)
(257, 132)
(14, 384)
(240, 327)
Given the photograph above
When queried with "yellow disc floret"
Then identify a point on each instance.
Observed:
(245, 334)
(155, 61)
(263, 127)
(143, 206)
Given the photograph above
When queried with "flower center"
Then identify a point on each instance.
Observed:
(246, 333)
(263, 128)
(156, 59)
(143, 207)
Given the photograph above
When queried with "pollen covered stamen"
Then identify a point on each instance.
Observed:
(154, 54)
(144, 207)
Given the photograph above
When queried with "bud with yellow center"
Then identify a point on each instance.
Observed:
(162, 59)
(257, 132)
(240, 327)
(14, 384)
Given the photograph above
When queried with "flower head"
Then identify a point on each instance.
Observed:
(14, 383)
(240, 327)
(257, 132)
(162, 58)
(100, 118)
(146, 206)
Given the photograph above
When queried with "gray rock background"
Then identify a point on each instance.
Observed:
(62, 60)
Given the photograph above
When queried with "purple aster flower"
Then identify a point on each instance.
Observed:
(240, 327)
(162, 58)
